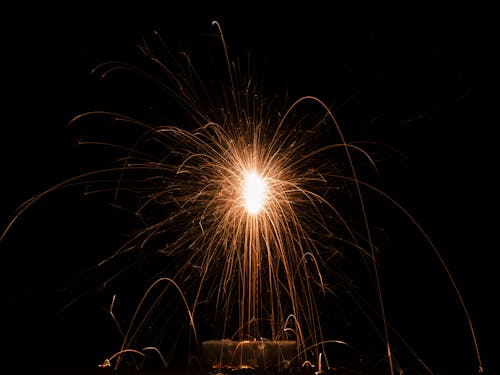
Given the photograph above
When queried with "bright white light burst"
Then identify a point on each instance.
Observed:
(254, 192)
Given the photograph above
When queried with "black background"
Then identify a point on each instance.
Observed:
(414, 78)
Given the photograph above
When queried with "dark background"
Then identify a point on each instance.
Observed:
(413, 78)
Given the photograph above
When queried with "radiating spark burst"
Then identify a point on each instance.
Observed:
(247, 209)
(244, 207)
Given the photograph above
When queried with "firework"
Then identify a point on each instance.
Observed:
(248, 209)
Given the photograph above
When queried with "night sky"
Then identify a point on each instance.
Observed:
(415, 79)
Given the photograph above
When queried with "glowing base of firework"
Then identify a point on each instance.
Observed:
(256, 354)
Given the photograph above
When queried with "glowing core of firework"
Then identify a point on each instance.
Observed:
(254, 192)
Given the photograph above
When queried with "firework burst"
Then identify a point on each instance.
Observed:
(247, 206)
(247, 211)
